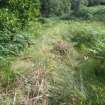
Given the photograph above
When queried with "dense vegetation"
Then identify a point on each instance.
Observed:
(52, 52)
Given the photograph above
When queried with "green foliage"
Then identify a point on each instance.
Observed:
(94, 13)
(27, 9)
(84, 38)
(16, 13)
(55, 7)
(92, 40)
(7, 76)
(93, 80)
(12, 43)
(8, 20)
(93, 68)
(95, 2)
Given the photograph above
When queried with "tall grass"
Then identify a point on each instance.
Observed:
(58, 69)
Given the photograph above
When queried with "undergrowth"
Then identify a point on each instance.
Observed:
(63, 66)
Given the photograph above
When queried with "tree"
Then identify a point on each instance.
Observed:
(75, 6)
(55, 7)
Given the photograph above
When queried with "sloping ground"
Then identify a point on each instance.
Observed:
(50, 72)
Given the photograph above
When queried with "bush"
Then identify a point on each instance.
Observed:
(27, 9)
(8, 20)
(55, 7)
(95, 2)
(94, 13)
(16, 13)
(12, 43)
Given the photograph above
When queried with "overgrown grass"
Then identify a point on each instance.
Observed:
(59, 55)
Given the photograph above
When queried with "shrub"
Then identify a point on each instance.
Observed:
(16, 13)
(94, 13)
(12, 43)
(55, 7)
(27, 9)
(84, 38)
(95, 2)
(8, 20)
